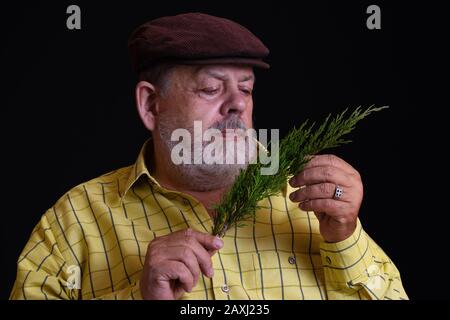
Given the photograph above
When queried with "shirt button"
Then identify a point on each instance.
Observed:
(225, 288)
(292, 260)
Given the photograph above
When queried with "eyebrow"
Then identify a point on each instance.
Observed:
(247, 78)
(223, 77)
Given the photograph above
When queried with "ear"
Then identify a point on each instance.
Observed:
(147, 103)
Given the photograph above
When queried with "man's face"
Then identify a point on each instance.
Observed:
(221, 98)
(210, 94)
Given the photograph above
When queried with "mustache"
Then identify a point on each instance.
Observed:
(232, 122)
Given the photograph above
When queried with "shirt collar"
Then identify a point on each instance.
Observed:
(140, 168)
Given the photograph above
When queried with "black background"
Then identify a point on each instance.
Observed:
(68, 114)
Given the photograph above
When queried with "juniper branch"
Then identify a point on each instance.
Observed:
(250, 187)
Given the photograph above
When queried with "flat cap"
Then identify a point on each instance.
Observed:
(195, 38)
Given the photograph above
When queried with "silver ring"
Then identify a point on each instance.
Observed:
(338, 192)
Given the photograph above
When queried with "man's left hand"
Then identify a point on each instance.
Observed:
(318, 182)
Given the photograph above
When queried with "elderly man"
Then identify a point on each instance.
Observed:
(144, 231)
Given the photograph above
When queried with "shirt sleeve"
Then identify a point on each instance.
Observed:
(358, 266)
(43, 273)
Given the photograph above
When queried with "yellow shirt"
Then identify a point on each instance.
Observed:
(92, 244)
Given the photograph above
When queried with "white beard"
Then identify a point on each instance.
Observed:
(207, 175)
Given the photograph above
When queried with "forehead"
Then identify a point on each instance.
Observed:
(222, 72)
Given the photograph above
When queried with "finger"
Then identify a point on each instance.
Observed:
(329, 206)
(320, 215)
(208, 241)
(176, 270)
(330, 160)
(201, 256)
(320, 175)
(184, 255)
(202, 244)
(324, 190)
(189, 239)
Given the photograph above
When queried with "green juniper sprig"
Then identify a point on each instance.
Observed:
(241, 201)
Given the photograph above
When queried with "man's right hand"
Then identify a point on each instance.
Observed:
(173, 263)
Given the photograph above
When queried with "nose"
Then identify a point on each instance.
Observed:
(235, 103)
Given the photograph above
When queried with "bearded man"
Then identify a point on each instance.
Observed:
(144, 231)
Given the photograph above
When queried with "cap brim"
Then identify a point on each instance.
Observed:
(233, 60)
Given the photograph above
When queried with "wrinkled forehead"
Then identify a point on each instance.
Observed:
(241, 73)
(225, 72)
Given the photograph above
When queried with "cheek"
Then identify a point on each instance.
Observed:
(207, 112)
(190, 113)
(247, 116)
(181, 108)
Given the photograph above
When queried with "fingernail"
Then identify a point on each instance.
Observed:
(291, 181)
(211, 273)
(291, 196)
(218, 243)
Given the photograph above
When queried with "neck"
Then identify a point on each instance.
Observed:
(207, 198)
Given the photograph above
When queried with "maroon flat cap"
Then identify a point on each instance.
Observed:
(195, 38)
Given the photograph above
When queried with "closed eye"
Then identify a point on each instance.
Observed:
(246, 91)
(210, 91)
